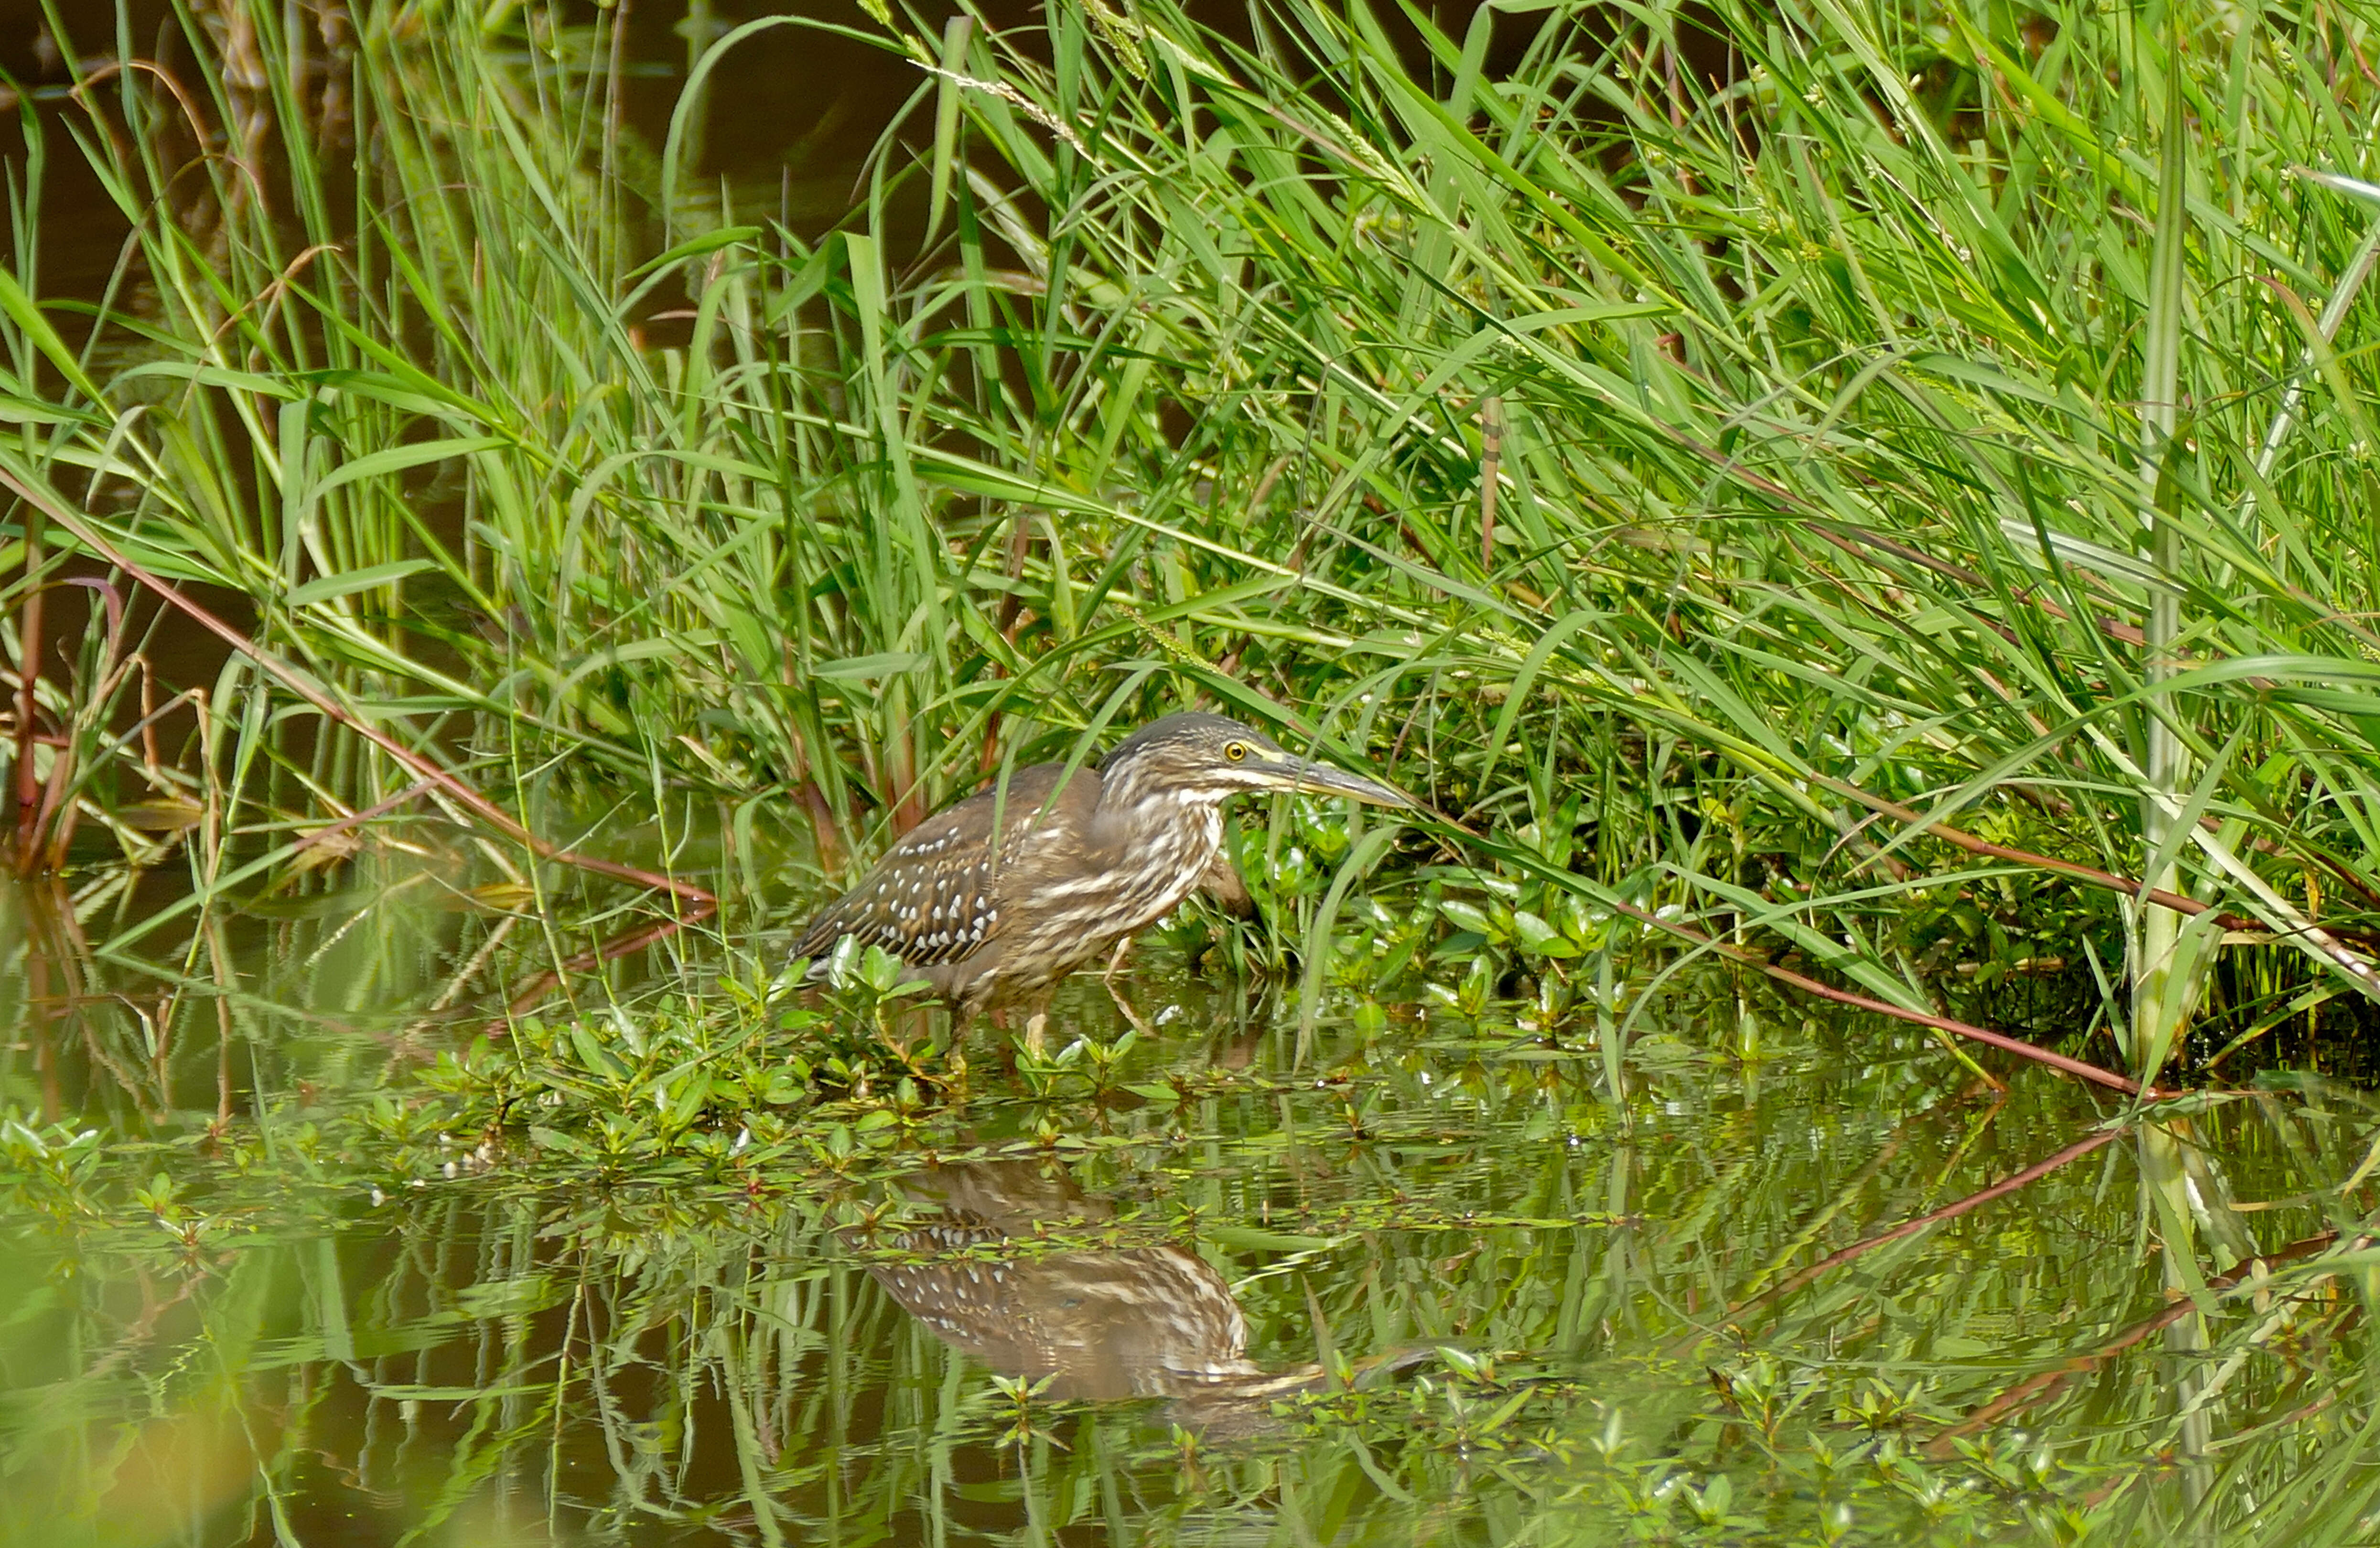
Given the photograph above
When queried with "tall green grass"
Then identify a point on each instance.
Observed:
(1904, 447)
(1901, 426)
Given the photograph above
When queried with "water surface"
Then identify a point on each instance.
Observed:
(1401, 1276)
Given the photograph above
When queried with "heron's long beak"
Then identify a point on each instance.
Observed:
(1321, 779)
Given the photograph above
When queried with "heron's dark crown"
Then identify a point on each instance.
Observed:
(1191, 758)
(1188, 740)
(1205, 758)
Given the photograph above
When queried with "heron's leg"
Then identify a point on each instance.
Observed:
(996, 1017)
(955, 1062)
(906, 1031)
(1140, 1022)
(1116, 990)
(1035, 1040)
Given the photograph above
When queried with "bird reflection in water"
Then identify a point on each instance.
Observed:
(1116, 1322)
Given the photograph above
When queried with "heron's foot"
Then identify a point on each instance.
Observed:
(1037, 1034)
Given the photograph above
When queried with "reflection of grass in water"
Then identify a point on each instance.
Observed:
(632, 1249)
(1817, 499)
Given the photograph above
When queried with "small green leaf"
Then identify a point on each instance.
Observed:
(1468, 916)
(595, 1056)
(690, 1100)
(1535, 935)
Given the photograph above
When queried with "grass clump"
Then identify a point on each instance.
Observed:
(1707, 459)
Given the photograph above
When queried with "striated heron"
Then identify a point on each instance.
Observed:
(994, 899)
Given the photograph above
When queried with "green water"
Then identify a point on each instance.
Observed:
(1400, 1276)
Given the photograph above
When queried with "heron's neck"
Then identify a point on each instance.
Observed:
(1162, 837)
(1126, 787)
(1136, 809)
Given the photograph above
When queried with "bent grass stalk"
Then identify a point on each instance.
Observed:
(2165, 967)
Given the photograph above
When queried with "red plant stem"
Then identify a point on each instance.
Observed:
(2022, 1049)
(1910, 1228)
(2335, 948)
(2073, 870)
(354, 819)
(2042, 1385)
(542, 984)
(487, 811)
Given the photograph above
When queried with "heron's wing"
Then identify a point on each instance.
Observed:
(935, 897)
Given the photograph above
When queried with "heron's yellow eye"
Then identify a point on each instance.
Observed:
(1235, 751)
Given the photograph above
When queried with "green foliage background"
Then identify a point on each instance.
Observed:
(1819, 520)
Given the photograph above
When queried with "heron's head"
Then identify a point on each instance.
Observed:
(1208, 757)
